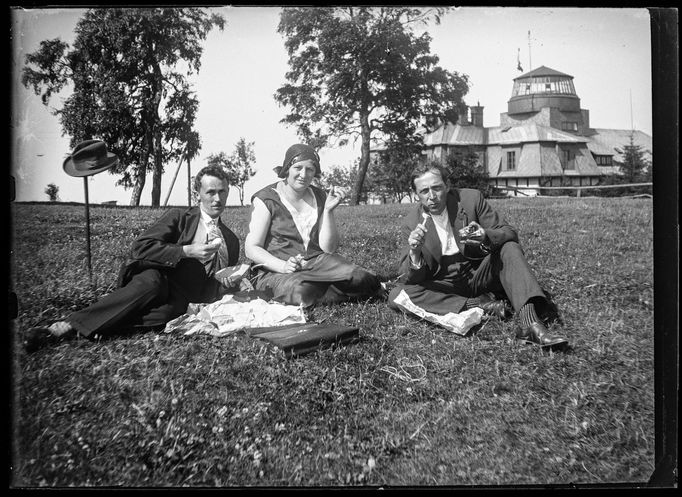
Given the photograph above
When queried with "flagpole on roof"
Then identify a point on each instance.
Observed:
(530, 61)
(632, 123)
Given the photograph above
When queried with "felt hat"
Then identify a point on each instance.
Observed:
(298, 153)
(88, 158)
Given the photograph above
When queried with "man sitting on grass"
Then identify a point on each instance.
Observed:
(172, 264)
(459, 251)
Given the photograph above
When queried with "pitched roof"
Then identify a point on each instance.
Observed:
(605, 141)
(543, 71)
(456, 134)
(530, 132)
(584, 165)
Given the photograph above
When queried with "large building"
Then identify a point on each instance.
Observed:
(544, 138)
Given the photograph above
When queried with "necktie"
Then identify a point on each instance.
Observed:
(219, 260)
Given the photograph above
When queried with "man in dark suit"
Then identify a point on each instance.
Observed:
(172, 264)
(460, 253)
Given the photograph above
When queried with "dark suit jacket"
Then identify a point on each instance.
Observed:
(160, 247)
(464, 205)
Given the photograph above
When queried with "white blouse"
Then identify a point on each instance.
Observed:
(304, 219)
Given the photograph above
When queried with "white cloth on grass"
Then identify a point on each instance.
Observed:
(228, 316)
(459, 323)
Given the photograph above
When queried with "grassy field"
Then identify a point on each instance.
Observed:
(410, 404)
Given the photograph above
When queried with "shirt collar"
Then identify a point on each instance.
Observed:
(443, 215)
(205, 217)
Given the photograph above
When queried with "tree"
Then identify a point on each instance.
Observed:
(466, 170)
(634, 167)
(52, 191)
(342, 178)
(239, 166)
(355, 71)
(391, 172)
(128, 70)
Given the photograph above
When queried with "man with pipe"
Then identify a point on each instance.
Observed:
(461, 254)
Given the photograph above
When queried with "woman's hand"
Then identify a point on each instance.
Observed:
(293, 264)
(334, 198)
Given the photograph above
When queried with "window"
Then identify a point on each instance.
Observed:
(603, 160)
(511, 161)
(567, 159)
(569, 126)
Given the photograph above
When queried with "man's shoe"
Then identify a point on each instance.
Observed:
(538, 334)
(36, 338)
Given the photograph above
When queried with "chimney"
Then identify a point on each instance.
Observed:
(477, 115)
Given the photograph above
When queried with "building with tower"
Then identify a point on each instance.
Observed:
(544, 138)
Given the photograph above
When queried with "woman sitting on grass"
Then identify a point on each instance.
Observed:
(293, 236)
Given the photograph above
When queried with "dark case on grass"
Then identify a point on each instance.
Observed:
(303, 338)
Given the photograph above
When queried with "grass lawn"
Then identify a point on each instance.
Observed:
(410, 404)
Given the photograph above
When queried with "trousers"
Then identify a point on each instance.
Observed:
(149, 300)
(505, 271)
(327, 278)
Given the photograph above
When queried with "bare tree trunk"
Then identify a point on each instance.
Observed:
(156, 187)
(364, 158)
(139, 185)
(141, 177)
(158, 169)
(158, 145)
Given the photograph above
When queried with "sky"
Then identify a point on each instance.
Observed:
(606, 50)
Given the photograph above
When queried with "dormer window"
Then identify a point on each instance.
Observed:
(603, 160)
(511, 161)
(567, 159)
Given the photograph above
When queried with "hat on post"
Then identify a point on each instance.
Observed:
(89, 157)
(298, 153)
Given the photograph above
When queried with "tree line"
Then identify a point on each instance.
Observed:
(354, 73)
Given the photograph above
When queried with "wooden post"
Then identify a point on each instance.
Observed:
(170, 190)
(189, 183)
(87, 227)
(175, 176)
